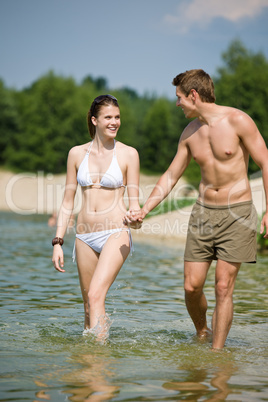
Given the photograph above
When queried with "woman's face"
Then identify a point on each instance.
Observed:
(108, 121)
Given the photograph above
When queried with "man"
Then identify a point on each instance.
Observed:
(223, 222)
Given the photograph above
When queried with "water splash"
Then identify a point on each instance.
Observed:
(101, 331)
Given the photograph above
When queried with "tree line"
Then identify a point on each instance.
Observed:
(39, 124)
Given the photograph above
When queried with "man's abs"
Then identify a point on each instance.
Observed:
(236, 192)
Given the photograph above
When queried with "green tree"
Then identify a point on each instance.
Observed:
(41, 123)
(9, 119)
(100, 84)
(157, 142)
(132, 109)
(53, 119)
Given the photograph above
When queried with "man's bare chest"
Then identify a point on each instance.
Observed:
(217, 144)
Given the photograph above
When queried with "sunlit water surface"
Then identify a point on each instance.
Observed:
(152, 353)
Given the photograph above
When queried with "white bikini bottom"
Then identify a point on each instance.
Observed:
(97, 240)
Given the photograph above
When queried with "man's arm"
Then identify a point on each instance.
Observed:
(255, 144)
(167, 181)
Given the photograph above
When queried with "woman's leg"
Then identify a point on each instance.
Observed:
(87, 260)
(111, 259)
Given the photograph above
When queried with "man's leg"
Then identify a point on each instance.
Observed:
(226, 273)
(195, 274)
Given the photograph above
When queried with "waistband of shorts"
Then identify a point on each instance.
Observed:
(211, 206)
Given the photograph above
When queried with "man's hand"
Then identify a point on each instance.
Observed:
(264, 224)
(134, 218)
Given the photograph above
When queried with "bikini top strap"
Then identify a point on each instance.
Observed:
(89, 147)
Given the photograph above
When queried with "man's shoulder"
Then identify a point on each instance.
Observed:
(190, 129)
(235, 117)
(239, 120)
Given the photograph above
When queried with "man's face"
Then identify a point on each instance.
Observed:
(185, 102)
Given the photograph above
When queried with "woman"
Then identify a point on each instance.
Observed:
(103, 167)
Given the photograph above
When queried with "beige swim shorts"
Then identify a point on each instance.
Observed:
(228, 233)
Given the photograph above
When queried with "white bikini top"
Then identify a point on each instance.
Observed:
(113, 178)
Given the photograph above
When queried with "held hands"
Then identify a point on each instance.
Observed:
(57, 258)
(134, 218)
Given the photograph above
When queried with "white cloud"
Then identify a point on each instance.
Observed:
(201, 12)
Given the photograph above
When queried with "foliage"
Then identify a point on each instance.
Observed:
(52, 120)
(262, 244)
(261, 241)
(39, 124)
(156, 140)
(9, 120)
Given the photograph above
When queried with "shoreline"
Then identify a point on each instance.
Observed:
(41, 194)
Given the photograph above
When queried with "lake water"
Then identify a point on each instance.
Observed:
(152, 353)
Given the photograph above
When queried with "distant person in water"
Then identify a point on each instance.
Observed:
(103, 167)
(223, 222)
(52, 220)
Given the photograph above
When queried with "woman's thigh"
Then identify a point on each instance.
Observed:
(87, 260)
(111, 259)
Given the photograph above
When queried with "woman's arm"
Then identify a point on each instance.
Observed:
(133, 183)
(66, 209)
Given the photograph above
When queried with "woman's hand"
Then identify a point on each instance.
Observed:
(135, 225)
(57, 258)
(133, 218)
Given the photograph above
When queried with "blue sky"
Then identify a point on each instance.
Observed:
(141, 44)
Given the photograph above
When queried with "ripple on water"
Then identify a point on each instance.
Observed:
(152, 352)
